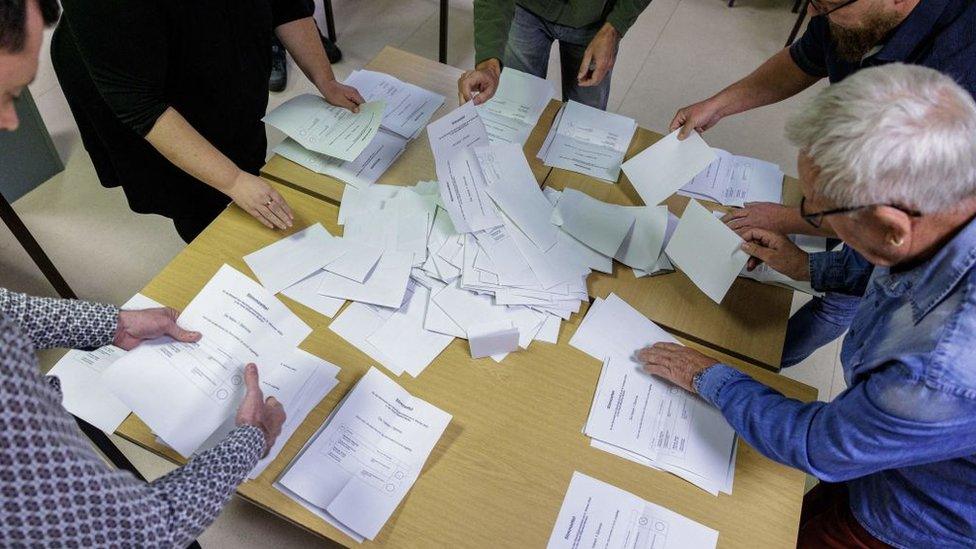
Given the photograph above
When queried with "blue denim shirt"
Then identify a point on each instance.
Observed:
(903, 435)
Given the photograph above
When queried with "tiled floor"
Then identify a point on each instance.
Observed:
(680, 51)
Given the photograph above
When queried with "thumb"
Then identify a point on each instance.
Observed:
(686, 130)
(585, 65)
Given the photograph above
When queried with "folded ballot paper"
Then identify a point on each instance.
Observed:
(707, 251)
(602, 515)
(589, 141)
(514, 110)
(355, 471)
(186, 391)
(671, 429)
(327, 129)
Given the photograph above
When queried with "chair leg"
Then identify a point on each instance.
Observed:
(329, 20)
(796, 5)
(798, 24)
(34, 250)
(731, 3)
(442, 45)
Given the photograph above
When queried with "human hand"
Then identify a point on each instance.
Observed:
(777, 251)
(699, 117)
(675, 363)
(601, 53)
(134, 327)
(481, 83)
(341, 95)
(267, 415)
(768, 216)
(256, 197)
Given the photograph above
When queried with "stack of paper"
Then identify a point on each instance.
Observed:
(646, 419)
(404, 111)
(597, 514)
(589, 141)
(707, 251)
(514, 110)
(360, 465)
(186, 391)
(734, 180)
(83, 390)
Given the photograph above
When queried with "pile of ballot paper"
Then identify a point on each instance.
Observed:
(643, 418)
(355, 148)
(514, 110)
(358, 467)
(588, 140)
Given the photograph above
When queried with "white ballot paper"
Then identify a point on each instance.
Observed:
(597, 514)
(707, 251)
(355, 471)
(734, 180)
(408, 107)
(511, 184)
(516, 106)
(327, 129)
(185, 391)
(84, 393)
(289, 260)
(465, 195)
(454, 132)
(306, 292)
(660, 170)
(378, 155)
(601, 226)
(589, 141)
(385, 286)
(665, 426)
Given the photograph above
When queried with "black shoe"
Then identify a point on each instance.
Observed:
(279, 67)
(331, 50)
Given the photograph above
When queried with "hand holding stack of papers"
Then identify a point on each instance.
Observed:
(589, 141)
(408, 107)
(665, 427)
(185, 391)
(357, 469)
(597, 514)
(734, 180)
(514, 110)
(707, 251)
(327, 129)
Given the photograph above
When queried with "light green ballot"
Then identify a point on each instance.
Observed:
(327, 129)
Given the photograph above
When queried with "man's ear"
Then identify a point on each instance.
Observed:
(896, 228)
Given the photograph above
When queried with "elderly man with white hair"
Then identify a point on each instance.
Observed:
(888, 161)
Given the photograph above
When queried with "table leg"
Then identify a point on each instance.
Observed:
(26, 239)
(442, 46)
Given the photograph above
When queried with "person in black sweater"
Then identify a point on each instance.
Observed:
(169, 96)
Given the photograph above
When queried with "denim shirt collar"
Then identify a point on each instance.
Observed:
(928, 283)
(915, 29)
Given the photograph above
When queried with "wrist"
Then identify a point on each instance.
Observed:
(609, 31)
(697, 379)
(492, 65)
(121, 326)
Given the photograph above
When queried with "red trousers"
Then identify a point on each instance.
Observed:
(827, 522)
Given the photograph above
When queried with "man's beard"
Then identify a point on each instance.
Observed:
(852, 44)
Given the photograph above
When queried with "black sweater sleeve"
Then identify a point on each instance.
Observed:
(286, 11)
(123, 45)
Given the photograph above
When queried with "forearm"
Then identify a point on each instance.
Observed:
(301, 39)
(183, 145)
(775, 80)
(69, 323)
(190, 498)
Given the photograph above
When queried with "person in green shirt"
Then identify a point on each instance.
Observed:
(520, 33)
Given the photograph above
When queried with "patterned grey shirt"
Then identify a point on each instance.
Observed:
(55, 491)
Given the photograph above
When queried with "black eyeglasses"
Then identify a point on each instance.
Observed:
(815, 219)
(825, 11)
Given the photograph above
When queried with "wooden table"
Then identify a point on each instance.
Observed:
(417, 162)
(750, 323)
(498, 476)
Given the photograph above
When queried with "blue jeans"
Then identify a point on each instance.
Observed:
(529, 40)
(820, 321)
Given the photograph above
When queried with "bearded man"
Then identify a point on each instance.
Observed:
(843, 37)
